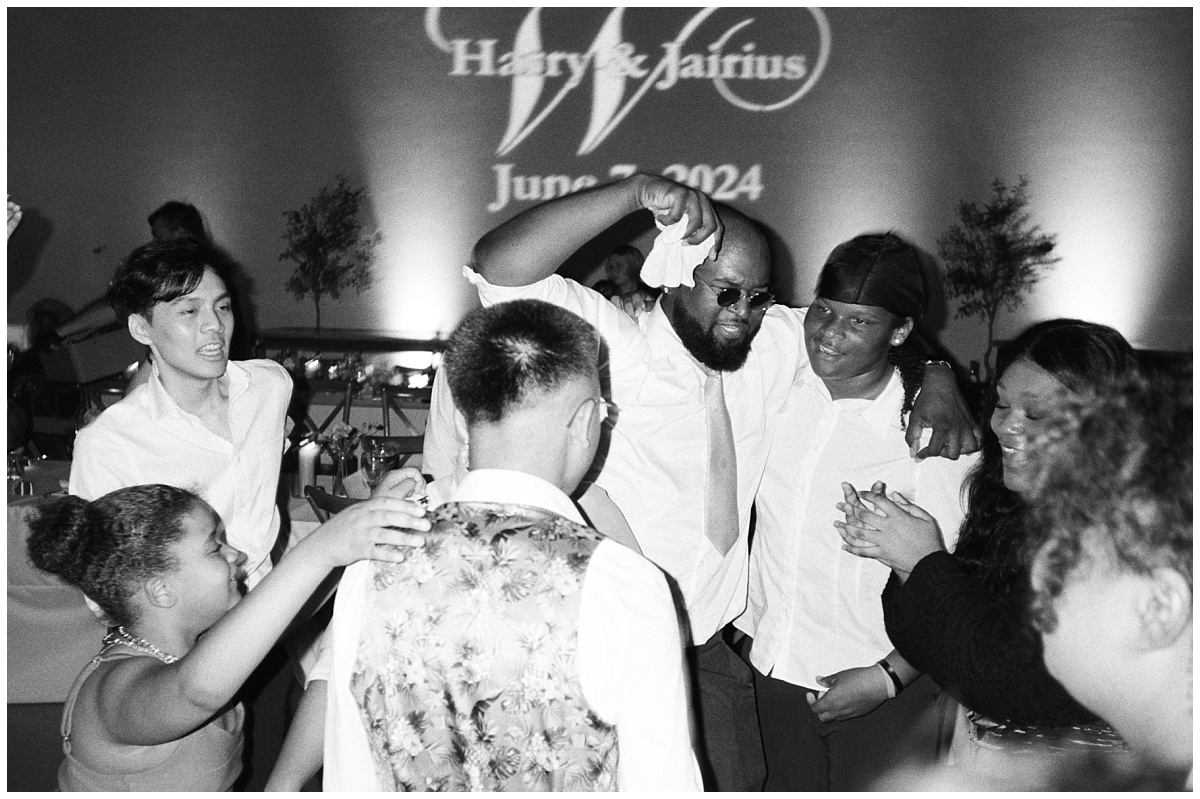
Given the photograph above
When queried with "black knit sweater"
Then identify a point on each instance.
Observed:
(975, 642)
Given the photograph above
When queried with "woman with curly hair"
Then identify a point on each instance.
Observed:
(962, 617)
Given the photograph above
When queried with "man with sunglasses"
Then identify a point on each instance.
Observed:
(662, 370)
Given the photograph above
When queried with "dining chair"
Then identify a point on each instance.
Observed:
(325, 504)
(396, 399)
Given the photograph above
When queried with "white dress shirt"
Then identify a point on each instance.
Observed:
(148, 438)
(656, 464)
(814, 609)
(630, 656)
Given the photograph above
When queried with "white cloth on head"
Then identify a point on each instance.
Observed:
(672, 260)
(813, 608)
(630, 656)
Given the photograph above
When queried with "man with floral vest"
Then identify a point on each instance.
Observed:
(518, 649)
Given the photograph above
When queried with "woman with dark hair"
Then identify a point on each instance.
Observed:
(961, 617)
(155, 710)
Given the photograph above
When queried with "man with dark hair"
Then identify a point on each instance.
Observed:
(201, 421)
(700, 380)
(1113, 577)
(520, 649)
(830, 711)
(174, 220)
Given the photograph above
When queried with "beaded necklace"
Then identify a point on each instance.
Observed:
(121, 636)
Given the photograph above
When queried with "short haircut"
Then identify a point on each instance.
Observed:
(181, 219)
(1115, 487)
(162, 272)
(501, 356)
(109, 547)
(743, 232)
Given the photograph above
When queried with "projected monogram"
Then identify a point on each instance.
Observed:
(616, 66)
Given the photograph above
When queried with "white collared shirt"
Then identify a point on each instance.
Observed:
(814, 609)
(148, 438)
(656, 464)
(630, 656)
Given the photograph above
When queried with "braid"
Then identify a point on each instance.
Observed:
(909, 359)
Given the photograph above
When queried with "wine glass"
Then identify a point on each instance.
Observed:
(375, 467)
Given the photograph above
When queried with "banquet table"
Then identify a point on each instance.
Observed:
(51, 633)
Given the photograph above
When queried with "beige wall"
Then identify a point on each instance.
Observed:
(247, 113)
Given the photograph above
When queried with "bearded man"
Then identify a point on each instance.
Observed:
(697, 408)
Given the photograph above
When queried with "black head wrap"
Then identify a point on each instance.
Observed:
(876, 269)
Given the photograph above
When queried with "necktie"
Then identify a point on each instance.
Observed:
(720, 489)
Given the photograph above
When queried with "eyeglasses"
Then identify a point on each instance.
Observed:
(730, 296)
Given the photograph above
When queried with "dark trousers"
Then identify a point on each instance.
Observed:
(806, 754)
(723, 685)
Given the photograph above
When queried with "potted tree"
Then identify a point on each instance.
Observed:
(993, 257)
(326, 240)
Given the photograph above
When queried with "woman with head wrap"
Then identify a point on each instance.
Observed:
(829, 711)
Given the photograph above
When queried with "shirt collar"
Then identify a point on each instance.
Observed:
(159, 402)
(511, 487)
(882, 413)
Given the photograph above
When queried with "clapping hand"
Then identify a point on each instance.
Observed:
(897, 533)
(14, 216)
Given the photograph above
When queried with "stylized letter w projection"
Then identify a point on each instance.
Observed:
(608, 77)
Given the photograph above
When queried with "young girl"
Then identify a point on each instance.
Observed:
(154, 709)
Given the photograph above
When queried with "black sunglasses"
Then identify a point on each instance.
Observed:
(729, 296)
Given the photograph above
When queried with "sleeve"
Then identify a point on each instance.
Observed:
(621, 333)
(348, 763)
(445, 452)
(281, 397)
(974, 643)
(321, 665)
(793, 353)
(632, 670)
(939, 490)
(97, 465)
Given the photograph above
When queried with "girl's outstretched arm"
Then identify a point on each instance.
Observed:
(145, 702)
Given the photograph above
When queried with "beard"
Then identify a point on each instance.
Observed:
(717, 355)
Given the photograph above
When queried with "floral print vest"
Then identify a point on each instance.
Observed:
(466, 675)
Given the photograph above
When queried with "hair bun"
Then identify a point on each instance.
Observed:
(58, 536)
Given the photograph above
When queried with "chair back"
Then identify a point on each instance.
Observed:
(395, 399)
(325, 504)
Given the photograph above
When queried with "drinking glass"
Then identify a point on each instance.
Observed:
(375, 467)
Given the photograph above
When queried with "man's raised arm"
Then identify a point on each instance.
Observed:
(534, 243)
